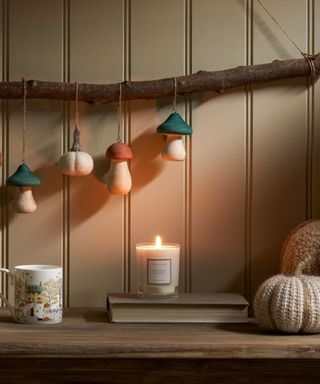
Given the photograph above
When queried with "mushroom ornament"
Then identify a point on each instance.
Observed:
(174, 128)
(118, 178)
(76, 162)
(24, 179)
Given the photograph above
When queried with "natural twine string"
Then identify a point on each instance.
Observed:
(174, 94)
(76, 112)
(119, 114)
(24, 120)
(309, 57)
(76, 133)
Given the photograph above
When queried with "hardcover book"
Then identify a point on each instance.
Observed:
(187, 308)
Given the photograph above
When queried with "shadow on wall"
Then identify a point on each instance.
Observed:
(89, 194)
(266, 30)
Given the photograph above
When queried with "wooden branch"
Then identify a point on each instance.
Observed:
(217, 81)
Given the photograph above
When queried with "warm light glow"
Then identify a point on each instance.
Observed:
(158, 242)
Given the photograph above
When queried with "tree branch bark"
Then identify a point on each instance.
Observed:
(217, 81)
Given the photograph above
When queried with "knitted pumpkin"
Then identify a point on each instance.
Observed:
(301, 251)
(289, 304)
(76, 162)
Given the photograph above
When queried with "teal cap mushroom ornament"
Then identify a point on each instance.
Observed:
(174, 128)
(24, 179)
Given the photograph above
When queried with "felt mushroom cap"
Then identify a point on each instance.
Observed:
(174, 125)
(119, 151)
(23, 177)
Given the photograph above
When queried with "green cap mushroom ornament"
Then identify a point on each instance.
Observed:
(174, 128)
(24, 179)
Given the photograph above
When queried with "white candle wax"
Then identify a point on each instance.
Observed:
(158, 269)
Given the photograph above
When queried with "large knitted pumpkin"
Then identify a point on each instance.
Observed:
(301, 251)
(290, 302)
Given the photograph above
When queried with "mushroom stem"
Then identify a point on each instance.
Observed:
(24, 201)
(174, 149)
(118, 178)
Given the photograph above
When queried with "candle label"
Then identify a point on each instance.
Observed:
(159, 271)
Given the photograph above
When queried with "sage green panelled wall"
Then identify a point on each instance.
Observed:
(253, 166)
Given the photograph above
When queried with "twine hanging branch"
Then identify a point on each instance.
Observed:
(217, 81)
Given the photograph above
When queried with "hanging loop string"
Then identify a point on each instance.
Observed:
(309, 57)
(174, 106)
(119, 114)
(24, 120)
(76, 112)
(76, 133)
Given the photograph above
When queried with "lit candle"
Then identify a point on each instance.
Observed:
(158, 269)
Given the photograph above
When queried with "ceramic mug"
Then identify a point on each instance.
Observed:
(37, 294)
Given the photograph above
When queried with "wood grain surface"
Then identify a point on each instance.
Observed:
(86, 332)
(85, 348)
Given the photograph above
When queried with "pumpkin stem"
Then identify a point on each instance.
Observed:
(76, 147)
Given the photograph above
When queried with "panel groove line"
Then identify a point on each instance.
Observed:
(126, 278)
(4, 146)
(310, 209)
(316, 115)
(188, 144)
(65, 262)
(248, 151)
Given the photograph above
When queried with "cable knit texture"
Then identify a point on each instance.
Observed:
(290, 302)
(301, 251)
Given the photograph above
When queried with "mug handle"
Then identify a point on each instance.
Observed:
(9, 305)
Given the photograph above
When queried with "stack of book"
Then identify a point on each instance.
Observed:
(187, 308)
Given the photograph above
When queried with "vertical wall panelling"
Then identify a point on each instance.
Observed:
(218, 184)
(316, 116)
(279, 139)
(248, 153)
(65, 146)
(127, 139)
(2, 223)
(4, 128)
(96, 216)
(188, 144)
(252, 170)
(157, 198)
(310, 114)
(35, 35)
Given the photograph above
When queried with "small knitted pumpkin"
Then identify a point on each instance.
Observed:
(289, 304)
(76, 162)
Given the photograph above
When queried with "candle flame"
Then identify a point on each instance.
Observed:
(158, 242)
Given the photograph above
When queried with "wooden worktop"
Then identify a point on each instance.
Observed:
(86, 332)
(86, 348)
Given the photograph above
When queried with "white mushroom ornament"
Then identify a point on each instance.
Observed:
(76, 162)
(24, 179)
(174, 128)
(118, 178)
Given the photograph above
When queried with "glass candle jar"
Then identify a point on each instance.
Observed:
(158, 269)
